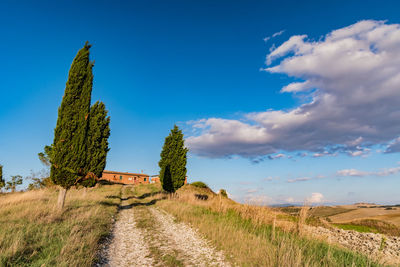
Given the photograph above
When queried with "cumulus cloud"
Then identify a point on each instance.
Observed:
(351, 79)
(315, 198)
(289, 200)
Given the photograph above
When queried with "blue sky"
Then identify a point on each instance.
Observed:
(203, 65)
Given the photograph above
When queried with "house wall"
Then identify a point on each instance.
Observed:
(125, 178)
(156, 180)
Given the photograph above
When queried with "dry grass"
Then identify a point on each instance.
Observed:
(247, 234)
(379, 213)
(34, 233)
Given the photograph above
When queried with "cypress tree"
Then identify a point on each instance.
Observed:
(2, 182)
(97, 141)
(173, 161)
(70, 135)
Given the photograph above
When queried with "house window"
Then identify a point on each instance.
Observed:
(120, 177)
(145, 179)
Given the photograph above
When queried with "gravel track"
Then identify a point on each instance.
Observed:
(127, 246)
(147, 236)
(196, 251)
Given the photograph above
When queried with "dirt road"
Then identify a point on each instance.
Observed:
(144, 235)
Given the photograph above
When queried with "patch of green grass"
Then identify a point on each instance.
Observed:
(171, 260)
(371, 226)
(358, 228)
(199, 184)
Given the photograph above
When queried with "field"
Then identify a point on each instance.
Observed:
(357, 212)
(33, 233)
(361, 218)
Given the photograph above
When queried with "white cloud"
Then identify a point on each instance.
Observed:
(351, 79)
(290, 200)
(358, 173)
(315, 198)
(300, 179)
(304, 179)
(352, 172)
(273, 35)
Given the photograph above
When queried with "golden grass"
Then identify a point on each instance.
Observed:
(247, 235)
(34, 233)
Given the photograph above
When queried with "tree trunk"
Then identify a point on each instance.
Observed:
(61, 198)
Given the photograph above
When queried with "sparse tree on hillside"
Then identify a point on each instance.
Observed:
(15, 180)
(42, 179)
(69, 153)
(173, 161)
(2, 182)
(97, 142)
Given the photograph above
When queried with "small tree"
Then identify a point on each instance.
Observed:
(173, 161)
(69, 152)
(2, 182)
(39, 180)
(97, 142)
(15, 180)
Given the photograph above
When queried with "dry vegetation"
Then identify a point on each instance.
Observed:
(32, 233)
(253, 235)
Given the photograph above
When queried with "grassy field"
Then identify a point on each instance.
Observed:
(33, 233)
(382, 213)
(248, 236)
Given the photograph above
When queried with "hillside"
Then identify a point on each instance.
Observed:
(194, 227)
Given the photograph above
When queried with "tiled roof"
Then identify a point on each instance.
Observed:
(126, 173)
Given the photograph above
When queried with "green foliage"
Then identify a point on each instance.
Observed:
(2, 182)
(167, 182)
(223, 192)
(99, 131)
(88, 182)
(199, 184)
(69, 153)
(45, 157)
(15, 180)
(173, 161)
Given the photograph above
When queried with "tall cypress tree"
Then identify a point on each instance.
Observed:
(97, 141)
(173, 161)
(70, 134)
(2, 182)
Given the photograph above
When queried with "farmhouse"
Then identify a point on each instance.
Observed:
(125, 177)
(155, 179)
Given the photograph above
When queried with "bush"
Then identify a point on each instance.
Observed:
(223, 192)
(199, 184)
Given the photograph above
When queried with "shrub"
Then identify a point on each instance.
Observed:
(223, 192)
(199, 184)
